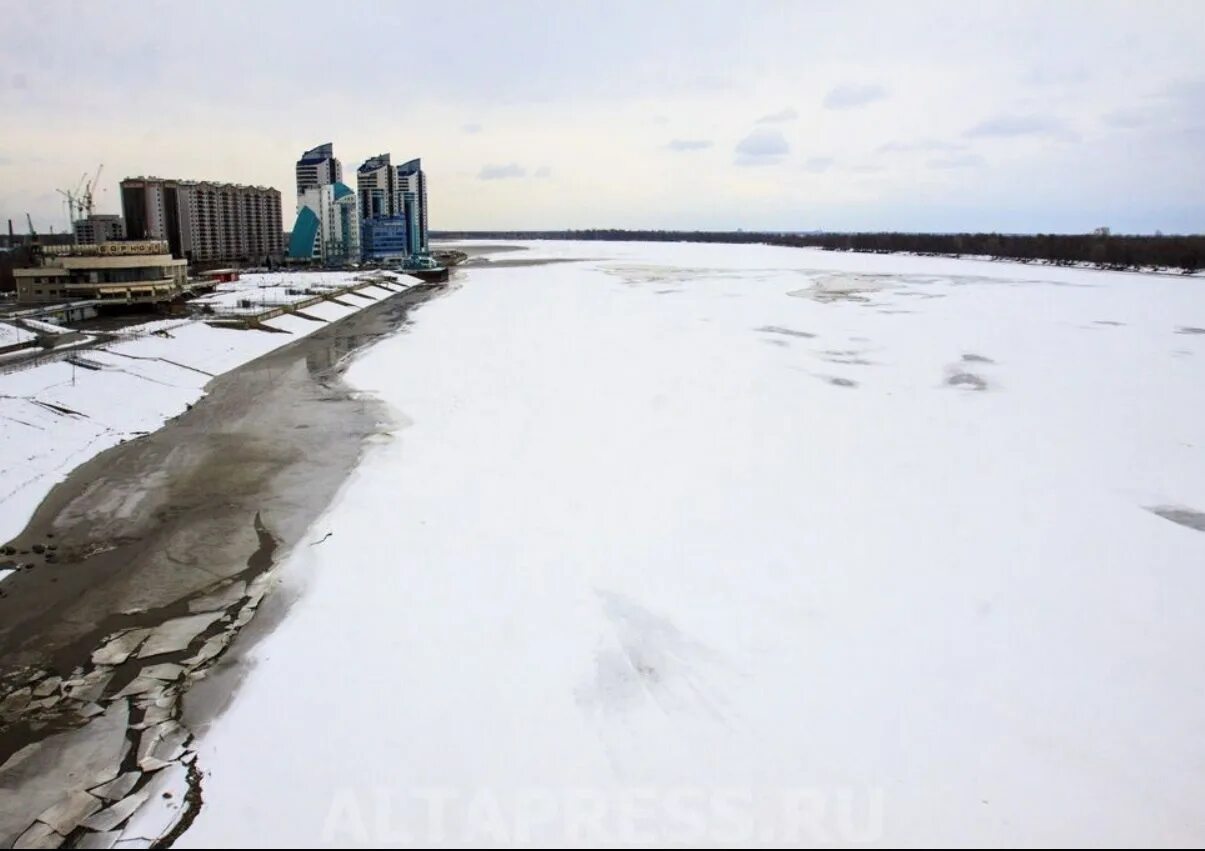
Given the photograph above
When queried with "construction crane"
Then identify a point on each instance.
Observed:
(75, 199)
(71, 202)
(86, 201)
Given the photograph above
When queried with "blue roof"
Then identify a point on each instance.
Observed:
(319, 154)
(341, 190)
(410, 167)
(373, 163)
(305, 231)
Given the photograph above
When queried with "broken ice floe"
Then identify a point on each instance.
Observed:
(116, 815)
(120, 648)
(220, 599)
(99, 840)
(177, 634)
(166, 794)
(161, 745)
(117, 788)
(92, 806)
(39, 836)
(66, 815)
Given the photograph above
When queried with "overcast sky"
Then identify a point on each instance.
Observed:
(1012, 116)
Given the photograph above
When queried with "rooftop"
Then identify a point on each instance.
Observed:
(182, 182)
(373, 163)
(319, 154)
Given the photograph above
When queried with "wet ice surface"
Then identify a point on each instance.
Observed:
(1184, 516)
(616, 542)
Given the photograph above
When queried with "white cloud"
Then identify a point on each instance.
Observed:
(501, 172)
(779, 117)
(763, 146)
(851, 96)
(1007, 126)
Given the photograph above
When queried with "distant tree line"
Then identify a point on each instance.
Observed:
(1101, 248)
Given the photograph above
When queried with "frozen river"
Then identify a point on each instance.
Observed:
(702, 543)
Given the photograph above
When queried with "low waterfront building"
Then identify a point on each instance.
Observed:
(385, 239)
(140, 272)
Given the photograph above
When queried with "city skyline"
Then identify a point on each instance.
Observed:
(677, 116)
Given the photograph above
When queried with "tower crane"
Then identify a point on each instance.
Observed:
(86, 202)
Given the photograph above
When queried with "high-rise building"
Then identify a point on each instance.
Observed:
(393, 209)
(327, 228)
(98, 228)
(411, 203)
(204, 221)
(317, 167)
(377, 187)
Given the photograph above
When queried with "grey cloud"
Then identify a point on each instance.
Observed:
(689, 144)
(1055, 77)
(787, 114)
(1189, 90)
(1007, 126)
(956, 161)
(850, 96)
(762, 147)
(1127, 118)
(921, 145)
(501, 172)
(818, 164)
(471, 128)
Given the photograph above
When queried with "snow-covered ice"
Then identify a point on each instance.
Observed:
(700, 543)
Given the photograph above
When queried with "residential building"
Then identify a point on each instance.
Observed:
(327, 229)
(137, 272)
(377, 188)
(317, 167)
(98, 228)
(411, 204)
(204, 221)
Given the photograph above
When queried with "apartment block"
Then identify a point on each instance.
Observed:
(203, 221)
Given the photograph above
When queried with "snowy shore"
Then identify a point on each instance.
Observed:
(692, 543)
(55, 416)
(146, 563)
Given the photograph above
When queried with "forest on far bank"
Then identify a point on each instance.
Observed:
(1100, 248)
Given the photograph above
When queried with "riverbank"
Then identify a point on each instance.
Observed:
(148, 558)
